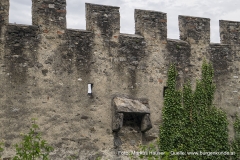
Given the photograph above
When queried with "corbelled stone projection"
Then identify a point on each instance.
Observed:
(125, 105)
(47, 71)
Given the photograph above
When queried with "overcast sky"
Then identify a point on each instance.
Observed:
(20, 12)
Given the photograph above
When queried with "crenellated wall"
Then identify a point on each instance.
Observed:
(45, 70)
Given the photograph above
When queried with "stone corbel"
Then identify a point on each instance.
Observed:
(124, 105)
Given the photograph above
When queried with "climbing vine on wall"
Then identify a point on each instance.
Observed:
(190, 121)
(236, 143)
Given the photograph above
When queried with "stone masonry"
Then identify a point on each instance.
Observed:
(45, 70)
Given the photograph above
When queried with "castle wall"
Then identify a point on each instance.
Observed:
(46, 68)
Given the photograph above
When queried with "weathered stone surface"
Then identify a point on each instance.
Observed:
(152, 23)
(229, 32)
(45, 69)
(194, 29)
(129, 105)
(117, 121)
(146, 123)
(117, 141)
(135, 112)
(221, 57)
(179, 54)
(49, 13)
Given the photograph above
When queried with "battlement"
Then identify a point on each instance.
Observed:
(151, 23)
(105, 20)
(68, 78)
(49, 14)
(229, 32)
(194, 29)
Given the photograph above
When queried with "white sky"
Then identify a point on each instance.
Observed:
(20, 12)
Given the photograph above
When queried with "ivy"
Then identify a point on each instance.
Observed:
(236, 143)
(190, 121)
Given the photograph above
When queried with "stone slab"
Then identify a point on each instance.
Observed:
(129, 105)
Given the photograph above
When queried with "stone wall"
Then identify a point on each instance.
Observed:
(46, 68)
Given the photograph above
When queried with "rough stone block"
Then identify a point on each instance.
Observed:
(117, 121)
(129, 105)
(51, 6)
(151, 23)
(194, 29)
(46, 14)
(117, 141)
(146, 123)
(103, 19)
(229, 32)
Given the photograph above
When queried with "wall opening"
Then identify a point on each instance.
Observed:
(76, 15)
(133, 120)
(20, 12)
(214, 31)
(130, 133)
(90, 85)
(164, 90)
